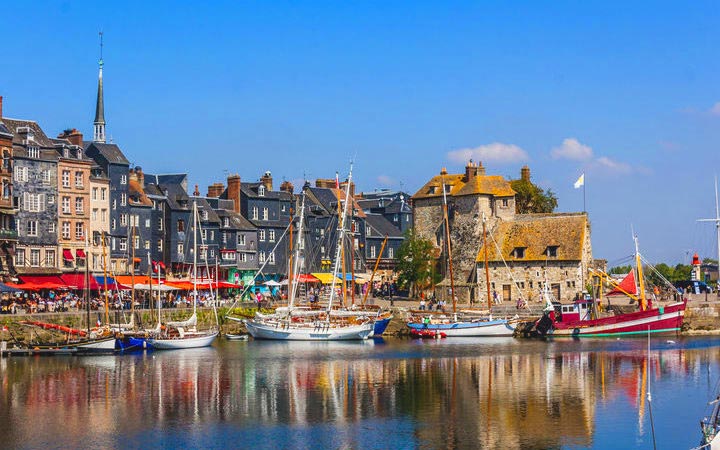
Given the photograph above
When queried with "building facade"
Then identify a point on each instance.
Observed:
(8, 203)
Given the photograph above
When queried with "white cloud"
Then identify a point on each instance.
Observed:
(385, 180)
(495, 152)
(571, 148)
(715, 109)
(613, 166)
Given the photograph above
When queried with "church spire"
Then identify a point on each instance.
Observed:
(99, 125)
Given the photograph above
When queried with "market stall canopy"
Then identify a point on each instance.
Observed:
(155, 287)
(272, 283)
(39, 282)
(4, 288)
(325, 278)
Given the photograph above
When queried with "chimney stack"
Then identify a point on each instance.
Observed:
(480, 169)
(233, 191)
(287, 186)
(196, 192)
(215, 190)
(443, 171)
(525, 173)
(266, 180)
(74, 136)
(471, 171)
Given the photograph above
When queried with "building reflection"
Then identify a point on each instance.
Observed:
(539, 399)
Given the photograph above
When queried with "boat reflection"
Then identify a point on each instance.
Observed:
(427, 394)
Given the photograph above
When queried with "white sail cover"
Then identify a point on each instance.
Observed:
(191, 322)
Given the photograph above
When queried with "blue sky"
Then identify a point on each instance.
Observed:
(627, 93)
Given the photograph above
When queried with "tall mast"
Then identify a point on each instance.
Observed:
(448, 246)
(487, 269)
(341, 237)
(290, 259)
(86, 292)
(299, 247)
(641, 282)
(132, 275)
(716, 220)
(107, 310)
(194, 256)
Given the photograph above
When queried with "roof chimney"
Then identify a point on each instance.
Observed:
(267, 181)
(480, 169)
(233, 191)
(196, 192)
(287, 186)
(215, 190)
(74, 136)
(471, 171)
(525, 173)
(443, 171)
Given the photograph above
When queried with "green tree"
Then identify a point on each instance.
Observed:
(621, 269)
(681, 272)
(415, 264)
(530, 198)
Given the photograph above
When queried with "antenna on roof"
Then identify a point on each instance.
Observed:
(101, 46)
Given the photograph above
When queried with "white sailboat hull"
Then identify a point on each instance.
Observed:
(320, 332)
(107, 344)
(204, 340)
(500, 327)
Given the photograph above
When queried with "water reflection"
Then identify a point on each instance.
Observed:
(446, 394)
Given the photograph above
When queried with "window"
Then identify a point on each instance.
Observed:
(79, 231)
(373, 252)
(180, 225)
(254, 213)
(261, 257)
(20, 257)
(147, 245)
(212, 252)
(261, 191)
(212, 235)
(272, 235)
(103, 215)
(203, 235)
(45, 176)
(123, 220)
(241, 239)
(504, 203)
(322, 250)
(66, 230)
(205, 215)
(94, 193)
(35, 257)
(551, 251)
(123, 199)
(391, 252)
(50, 199)
(224, 237)
(94, 214)
(114, 223)
(33, 151)
(51, 227)
(367, 230)
(261, 235)
(123, 244)
(123, 179)
(203, 253)
(66, 178)
(136, 242)
(282, 207)
(66, 205)
(50, 258)
(271, 258)
(32, 228)
(103, 193)
(243, 257)
(147, 223)
(33, 202)
(79, 180)
(180, 250)
(226, 222)
(160, 245)
(265, 214)
(160, 224)
(79, 205)
(114, 204)
(21, 173)
(518, 252)
(395, 217)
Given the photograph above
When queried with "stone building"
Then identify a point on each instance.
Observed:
(538, 249)
(469, 196)
(35, 183)
(8, 204)
(73, 198)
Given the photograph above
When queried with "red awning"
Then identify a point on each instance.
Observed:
(37, 282)
(80, 253)
(77, 281)
(67, 254)
(307, 278)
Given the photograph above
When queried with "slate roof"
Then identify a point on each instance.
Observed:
(381, 227)
(251, 190)
(46, 145)
(329, 197)
(535, 233)
(110, 152)
(480, 184)
(237, 221)
(202, 207)
(4, 129)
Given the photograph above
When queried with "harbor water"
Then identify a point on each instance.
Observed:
(396, 393)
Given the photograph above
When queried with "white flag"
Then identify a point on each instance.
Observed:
(580, 181)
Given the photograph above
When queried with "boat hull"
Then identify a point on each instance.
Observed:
(205, 340)
(320, 332)
(380, 326)
(667, 320)
(98, 345)
(500, 327)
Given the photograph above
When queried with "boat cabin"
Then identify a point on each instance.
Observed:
(573, 312)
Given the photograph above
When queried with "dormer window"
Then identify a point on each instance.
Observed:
(33, 151)
(204, 215)
(433, 189)
(66, 153)
(447, 188)
(79, 154)
(261, 191)
(518, 252)
(551, 251)
(226, 222)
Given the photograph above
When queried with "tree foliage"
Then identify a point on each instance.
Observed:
(530, 198)
(415, 263)
(620, 269)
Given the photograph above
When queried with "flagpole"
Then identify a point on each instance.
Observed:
(584, 209)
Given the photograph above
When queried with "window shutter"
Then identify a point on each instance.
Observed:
(26, 201)
(42, 202)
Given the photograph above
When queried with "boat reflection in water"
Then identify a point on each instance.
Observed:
(397, 394)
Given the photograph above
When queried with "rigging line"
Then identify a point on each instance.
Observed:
(499, 252)
(214, 295)
(654, 270)
(259, 272)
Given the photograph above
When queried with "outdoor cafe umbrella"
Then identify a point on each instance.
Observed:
(272, 283)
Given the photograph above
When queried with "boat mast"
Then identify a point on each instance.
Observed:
(341, 232)
(716, 220)
(487, 269)
(107, 310)
(293, 278)
(638, 261)
(290, 259)
(449, 248)
(86, 292)
(194, 257)
(132, 276)
(377, 263)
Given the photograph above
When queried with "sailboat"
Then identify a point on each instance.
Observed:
(102, 339)
(456, 325)
(181, 335)
(302, 324)
(579, 318)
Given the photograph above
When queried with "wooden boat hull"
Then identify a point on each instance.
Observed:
(98, 345)
(667, 320)
(381, 325)
(501, 327)
(321, 332)
(204, 340)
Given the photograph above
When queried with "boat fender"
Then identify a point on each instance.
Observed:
(661, 310)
